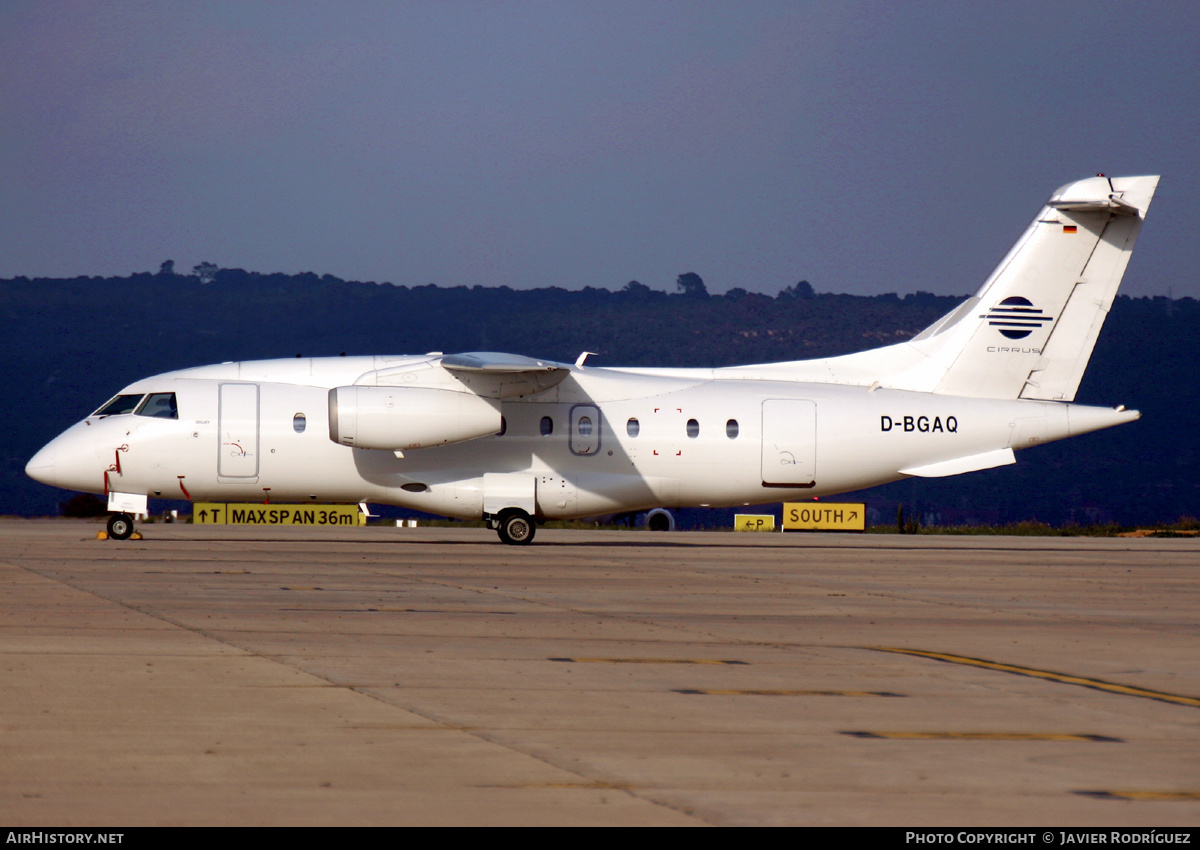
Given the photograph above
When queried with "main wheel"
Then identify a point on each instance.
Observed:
(516, 527)
(120, 526)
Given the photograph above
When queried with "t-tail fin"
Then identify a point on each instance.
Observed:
(1030, 329)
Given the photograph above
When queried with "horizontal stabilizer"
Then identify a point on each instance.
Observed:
(1104, 195)
(1116, 206)
(970, 463)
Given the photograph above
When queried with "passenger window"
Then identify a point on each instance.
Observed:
(693, 428)
(120, 404)
(585, 426)
(633, 427)
(547, 426)
(299, 423)
(503, 427)
(159, 406)
(731, 429)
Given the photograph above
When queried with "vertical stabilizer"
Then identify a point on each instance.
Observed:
(1030, 329)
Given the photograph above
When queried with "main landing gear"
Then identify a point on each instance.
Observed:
(120, 526)
(515, 527)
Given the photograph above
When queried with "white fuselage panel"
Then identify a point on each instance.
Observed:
(601, 441)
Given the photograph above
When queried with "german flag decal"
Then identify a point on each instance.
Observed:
(1068, 228)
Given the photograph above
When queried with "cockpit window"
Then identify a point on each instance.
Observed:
(120, 404)
(160, 406)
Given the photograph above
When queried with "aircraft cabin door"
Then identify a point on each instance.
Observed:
(789, 443)
(237, 429)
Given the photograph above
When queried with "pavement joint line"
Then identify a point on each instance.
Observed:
(987, 736)
(568, 786)
(1048, 675)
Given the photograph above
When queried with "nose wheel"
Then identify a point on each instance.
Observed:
(515, 527)
(120, 526)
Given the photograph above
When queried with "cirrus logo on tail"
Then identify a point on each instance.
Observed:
(1016, 317)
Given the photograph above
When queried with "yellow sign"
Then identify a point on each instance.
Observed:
(824, 516)
(218, 513)
(753, 522)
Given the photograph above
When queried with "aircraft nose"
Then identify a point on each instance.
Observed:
(43, 466)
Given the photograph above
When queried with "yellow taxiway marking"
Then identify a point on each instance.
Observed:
(774, 693)
(986, 736)
(650, 660)
(1157, 796)
(1065, 678)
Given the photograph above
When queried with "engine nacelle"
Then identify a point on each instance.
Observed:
(397, 418)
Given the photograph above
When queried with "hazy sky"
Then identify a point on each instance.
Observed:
(865, 147)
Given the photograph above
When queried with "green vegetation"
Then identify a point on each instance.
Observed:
(70, 344)
(1185, 526)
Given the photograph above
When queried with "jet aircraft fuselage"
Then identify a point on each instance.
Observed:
(517, 440)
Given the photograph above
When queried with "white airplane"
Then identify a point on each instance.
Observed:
(516, 440)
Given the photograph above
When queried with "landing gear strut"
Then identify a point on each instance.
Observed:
(515, 526)
(120, 526)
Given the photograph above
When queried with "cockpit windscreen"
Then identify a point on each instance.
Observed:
(160, 406)
(120, 404)
(156, 405)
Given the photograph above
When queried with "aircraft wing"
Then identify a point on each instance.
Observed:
(496, 375)
(494, 361)
(489, 374)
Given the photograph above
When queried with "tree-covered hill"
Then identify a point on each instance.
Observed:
(71, 344)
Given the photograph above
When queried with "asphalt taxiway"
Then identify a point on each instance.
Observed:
(222, 675)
